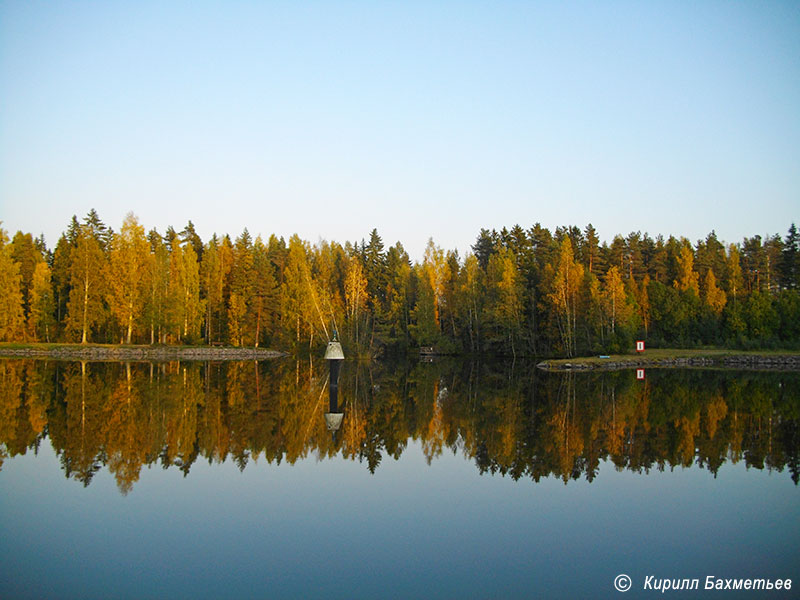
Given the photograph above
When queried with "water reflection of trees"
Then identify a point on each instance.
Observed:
(515, 422)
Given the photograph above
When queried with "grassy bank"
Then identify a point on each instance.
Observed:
(133, 352)
(672, 357)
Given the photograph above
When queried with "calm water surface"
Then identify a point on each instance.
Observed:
(444, 480)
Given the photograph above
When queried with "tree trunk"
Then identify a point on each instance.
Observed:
(85, 305)
(130, 321)
(258, 325)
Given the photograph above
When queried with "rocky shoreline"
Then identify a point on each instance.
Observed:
(785, 362)
(154, 353)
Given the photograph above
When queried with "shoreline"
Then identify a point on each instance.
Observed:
(731, 359)
(144, 353)
(657, 358)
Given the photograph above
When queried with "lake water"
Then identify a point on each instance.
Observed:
(444, 480)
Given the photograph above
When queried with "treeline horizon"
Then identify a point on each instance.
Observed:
(517, 292)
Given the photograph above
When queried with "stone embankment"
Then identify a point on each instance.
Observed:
(786, 362)
(148, 353)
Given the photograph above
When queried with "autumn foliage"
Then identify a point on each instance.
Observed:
(518, 292)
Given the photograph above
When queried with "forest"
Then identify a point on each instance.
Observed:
(518, 292)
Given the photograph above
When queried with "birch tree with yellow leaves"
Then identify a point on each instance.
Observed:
(88, 268)
(11, 319)
(41, 320)
(128, 262)
(565, 282)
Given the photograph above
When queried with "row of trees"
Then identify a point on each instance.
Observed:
(518, 292)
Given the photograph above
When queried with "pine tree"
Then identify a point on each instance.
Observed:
(485, 246)
(592, 249)
(616, 253)
(452, 267)
(98, 230)
(193, 305)
(375, 270)
(643, 302)
(242, 284)
(518, 242)
(504, 296)
(542, 244)
(424, 328)
(790, 260)
(189, 236)
(773, 257)
(398, 292)
(634, 258)
(61, 278)
(710, 255)
(754, 262)
(658, 267)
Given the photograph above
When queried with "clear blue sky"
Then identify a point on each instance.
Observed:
(419, 118)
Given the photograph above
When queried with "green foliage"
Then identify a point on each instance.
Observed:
(788, 308)
(424, 328)
(503, 300)
(41, 320)
(521, 291)
(761, 317)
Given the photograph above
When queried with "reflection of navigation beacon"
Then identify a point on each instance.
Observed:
(334, 356)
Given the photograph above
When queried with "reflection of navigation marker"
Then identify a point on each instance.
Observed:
(640, 374)
(640, 345)
(334, 355)
(333, 421)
